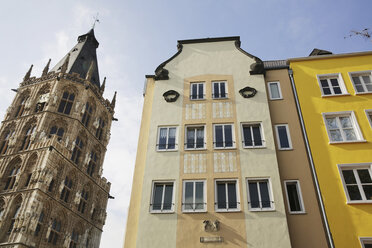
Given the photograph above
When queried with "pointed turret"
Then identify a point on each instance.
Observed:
(102, 89)
(81, 57)
(28, 74)
(46, 69)
(113, 101)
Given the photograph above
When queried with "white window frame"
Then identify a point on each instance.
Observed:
(219, 86)
(279, 91)
(271, 195)
(288, 136)
(227, 209)
(368, 113)
(359, 74)
(204, 138)
(263, 145)
(204, 196)
(340, 81)
(355, 124)
(175, 142)
(365, 241)
(353, 167)
(159, 211)
(223, 134)
(197, 95)
(299, 193)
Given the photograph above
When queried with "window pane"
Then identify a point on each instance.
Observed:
(158, 194)
(364, 176)
(253, 195)
(221, 195)
(293, 197)
(247, 136)
(223, 90)
(231, 188)
(216, 90)
(200, 137)
(331, 123)
(337, 90)
(336, 135)
(168, 197)
(189, 189)
(201, 91)
(345, 122)
(228, 136)
(354, 193)
(162, 138)
(367, 245)
(350, 134)
(68, 108)
(334, 82)
(219, 136)
(190, 137)
(349, 176)
(274, 90)
(172, 138)
(194, 88)
(199, 192)
(257, 135)
(283, 138)
(368, 191)
(358, 84)
(265, 197)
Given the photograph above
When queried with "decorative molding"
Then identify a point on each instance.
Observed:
(171, 96)
(248, 92)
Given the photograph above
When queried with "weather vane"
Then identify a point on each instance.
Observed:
(95, 20)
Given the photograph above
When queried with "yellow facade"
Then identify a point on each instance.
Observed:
(337, 152)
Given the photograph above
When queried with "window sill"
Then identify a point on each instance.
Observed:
(254, 147)
(227, 210)
(161, 212)
(275, 99)
(202, 99)
(196, 149)
(220, 98)
(344, 94)
(359, 202)
(347, 142)
(363, 93)
(261, 210)
(285, 149)
(225, 148)
(194, 212)
(297, 213)
(169, 150)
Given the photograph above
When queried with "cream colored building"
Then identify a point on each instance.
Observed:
(206, 173)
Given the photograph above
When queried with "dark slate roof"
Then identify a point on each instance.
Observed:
(317, 52)
(81, 56)
(275, 64)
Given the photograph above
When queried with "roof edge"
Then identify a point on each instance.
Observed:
(204, 40)
(330, 56)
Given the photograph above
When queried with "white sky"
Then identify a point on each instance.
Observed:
(137, 35)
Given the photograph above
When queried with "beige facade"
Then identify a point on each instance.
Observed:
(304, 220)
(53, 142)
(226, 175)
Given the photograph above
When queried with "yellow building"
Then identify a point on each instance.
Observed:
(335, 98)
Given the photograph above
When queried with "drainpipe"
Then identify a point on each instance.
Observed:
(329, 234)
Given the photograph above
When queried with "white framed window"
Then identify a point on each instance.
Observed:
(194, 196)
(167, 139)
(252, 135)
(275, 93)
(219, 89)
(194, 137)
(197, 91)
(227, 195)
(342, 127)
(369, 115)
(162, 198)
(283, 137)
(357, 182)
(332, 85)
(223, 136)
(259, 194)
(294, 197)
(362, 81)
(366, 242)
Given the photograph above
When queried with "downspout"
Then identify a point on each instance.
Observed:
(329, 234)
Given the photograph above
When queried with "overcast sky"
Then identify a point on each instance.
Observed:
(137, 35)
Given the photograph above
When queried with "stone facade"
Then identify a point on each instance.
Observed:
(52, 144)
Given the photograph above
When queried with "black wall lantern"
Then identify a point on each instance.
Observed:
(171, 96)
(248, 92)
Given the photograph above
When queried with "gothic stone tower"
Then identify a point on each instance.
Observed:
(52, 143)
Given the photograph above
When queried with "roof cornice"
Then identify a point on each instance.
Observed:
(331, 56)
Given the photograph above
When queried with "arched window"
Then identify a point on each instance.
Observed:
(92, 163)
(66, 103)
(27, 138)
(74, 239)
(66, 189)
(21, 106)
(13, 219)
(83, 201)
(59, 131)
(76, 153)
(11, 178)
(87, 114)
(5, 141)
(40, 223)
(55, 231)
(27, 173)
(51, 185)
(100, 128)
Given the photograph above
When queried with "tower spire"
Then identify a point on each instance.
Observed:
(28, 74)
(113, 102)
(102, 89)
(46, 69)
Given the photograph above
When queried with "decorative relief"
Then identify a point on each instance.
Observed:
(195, 163)
(224, 162)
(195, 111)
(222, 110)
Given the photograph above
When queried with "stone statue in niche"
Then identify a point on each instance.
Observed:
(210, 226)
